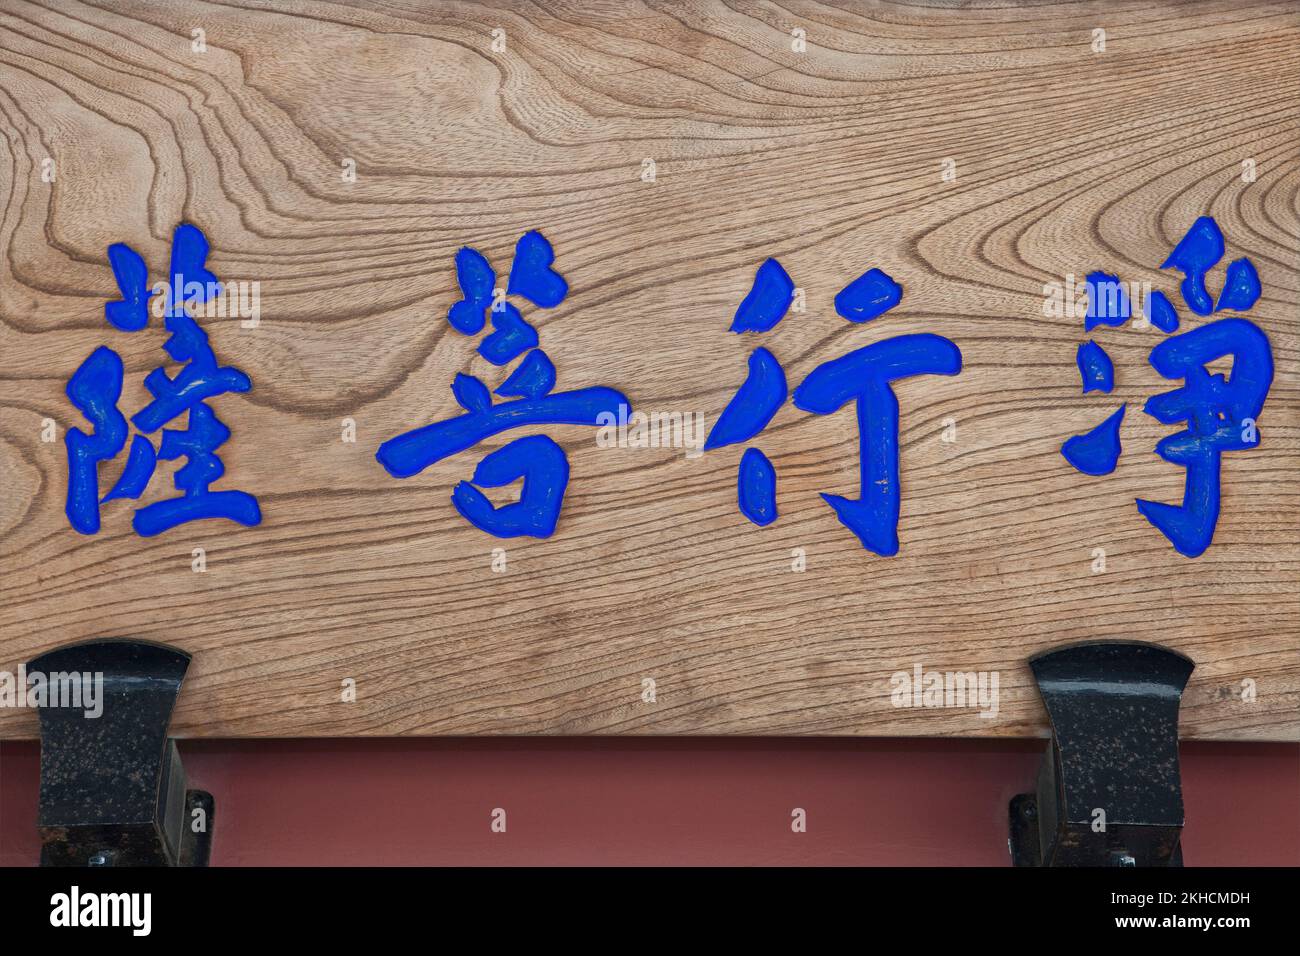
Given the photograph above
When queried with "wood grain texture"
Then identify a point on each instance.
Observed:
(1067, 160)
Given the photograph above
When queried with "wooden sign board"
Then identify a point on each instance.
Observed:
(976, 155)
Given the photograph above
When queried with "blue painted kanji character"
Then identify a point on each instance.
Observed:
(1220, 411)
(537, 459)
(864, 376)
(96, 387)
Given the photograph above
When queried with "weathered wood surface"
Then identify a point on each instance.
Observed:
(1067, 159)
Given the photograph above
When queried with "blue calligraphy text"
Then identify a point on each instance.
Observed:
(96, 387)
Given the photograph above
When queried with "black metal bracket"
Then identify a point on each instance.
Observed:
(112, 785)
(1109, 792)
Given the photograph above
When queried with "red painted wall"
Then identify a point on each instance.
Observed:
(663, 801)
